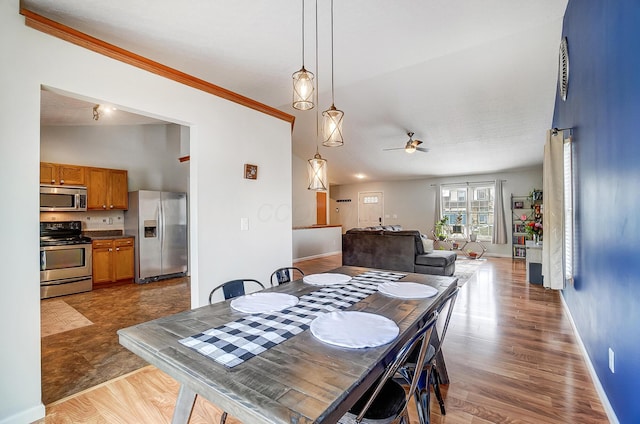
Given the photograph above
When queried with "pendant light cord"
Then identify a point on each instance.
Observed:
(317, 81)
(332, 96)
(302, 34)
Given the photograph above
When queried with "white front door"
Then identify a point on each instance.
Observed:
(370, 209)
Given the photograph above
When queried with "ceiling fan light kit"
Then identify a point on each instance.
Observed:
(411, 146)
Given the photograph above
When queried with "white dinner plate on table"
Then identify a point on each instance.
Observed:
(326, 279)
(354, 329)
(257, 303)
(407, 290)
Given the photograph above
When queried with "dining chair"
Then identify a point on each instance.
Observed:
(386, 401)
(231, 289)
(234, 288)
(285, 275)
(428, 372)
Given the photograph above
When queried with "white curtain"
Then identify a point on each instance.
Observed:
(552, 218)
(499, 220)
(436, 215)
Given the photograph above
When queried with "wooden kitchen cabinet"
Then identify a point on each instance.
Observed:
(123, 267)
(102, 265)
(62, 174)
(112, 261)
(107, 189)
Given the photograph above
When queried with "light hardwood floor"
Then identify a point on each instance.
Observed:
(510, 351)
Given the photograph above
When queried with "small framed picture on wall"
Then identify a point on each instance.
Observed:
(250, 171)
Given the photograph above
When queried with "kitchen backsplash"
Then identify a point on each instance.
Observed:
(91, 220)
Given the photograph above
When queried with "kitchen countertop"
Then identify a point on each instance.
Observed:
(106, 234)
(309, 227)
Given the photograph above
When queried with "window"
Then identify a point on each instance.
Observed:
(370, 199)
(568, 210)
(470, 209)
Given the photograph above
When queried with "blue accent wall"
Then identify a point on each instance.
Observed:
(603, 108)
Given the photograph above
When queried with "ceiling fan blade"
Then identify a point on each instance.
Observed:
(394, 148)
(417, 142)
(422, 149)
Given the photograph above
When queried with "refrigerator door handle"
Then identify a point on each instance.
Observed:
(161, 228)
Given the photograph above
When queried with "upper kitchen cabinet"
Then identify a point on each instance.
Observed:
(61, 174)
(107, 189)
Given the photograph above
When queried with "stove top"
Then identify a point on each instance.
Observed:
(62, 233)
(62, 241)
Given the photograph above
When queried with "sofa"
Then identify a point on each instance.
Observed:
(394, 249)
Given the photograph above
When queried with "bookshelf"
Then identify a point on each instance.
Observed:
(529, 208)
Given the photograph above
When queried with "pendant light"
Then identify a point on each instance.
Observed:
(317, 173)
(303, 81)
(332, 117)
(317, 166)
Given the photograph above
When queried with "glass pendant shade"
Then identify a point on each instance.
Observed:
(332, 127)
(303, 90)
(317, 173)
(410, 148)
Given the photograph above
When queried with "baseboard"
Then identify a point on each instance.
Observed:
(594, 377)
(26, 416)
(321, 255)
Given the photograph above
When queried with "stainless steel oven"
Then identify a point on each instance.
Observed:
(65, 259)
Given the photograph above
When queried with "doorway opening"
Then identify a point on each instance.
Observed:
(83, 350)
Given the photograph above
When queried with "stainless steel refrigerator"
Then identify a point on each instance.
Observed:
(158, 220)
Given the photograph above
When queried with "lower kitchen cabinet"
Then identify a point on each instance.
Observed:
(112, 261)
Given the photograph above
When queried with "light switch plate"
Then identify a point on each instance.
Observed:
(244, 224)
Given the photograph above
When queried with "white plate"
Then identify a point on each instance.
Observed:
(257, 303)
(407, 290)
(326, 279)
(354, 329)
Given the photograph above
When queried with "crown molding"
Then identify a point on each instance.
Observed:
(56, 29)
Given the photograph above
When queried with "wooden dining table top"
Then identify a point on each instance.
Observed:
(301, 380)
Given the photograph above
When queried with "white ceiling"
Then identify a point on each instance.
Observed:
(475, 80)
(57, 108)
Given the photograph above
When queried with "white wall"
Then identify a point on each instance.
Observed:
(148, 152)
(304, 200)
(219, 250)
(413, 202)
(310, 243)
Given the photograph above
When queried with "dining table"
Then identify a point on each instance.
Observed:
(299, 380)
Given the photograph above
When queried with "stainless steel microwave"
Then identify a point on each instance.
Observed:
(63, 198)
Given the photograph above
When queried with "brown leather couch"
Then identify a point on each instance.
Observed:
(396, 250)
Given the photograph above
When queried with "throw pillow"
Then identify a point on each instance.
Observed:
(427, 243)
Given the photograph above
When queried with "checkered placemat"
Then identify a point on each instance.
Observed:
(235, 342)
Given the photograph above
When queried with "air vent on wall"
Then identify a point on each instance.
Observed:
(563, 69)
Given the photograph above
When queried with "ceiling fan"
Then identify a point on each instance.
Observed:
(411, 146)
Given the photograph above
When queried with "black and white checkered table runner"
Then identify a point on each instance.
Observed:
(235, 342)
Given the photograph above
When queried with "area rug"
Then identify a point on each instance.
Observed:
(56, 316)
(466, 268)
